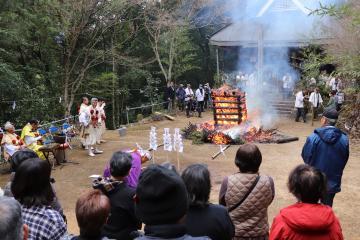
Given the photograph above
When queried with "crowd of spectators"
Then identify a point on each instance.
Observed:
(164, 204)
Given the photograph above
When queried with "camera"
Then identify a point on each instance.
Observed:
(106, 185)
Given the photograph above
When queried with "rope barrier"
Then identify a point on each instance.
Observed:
(50, 123)
(145, 106)
(45, 98)
(140, 107)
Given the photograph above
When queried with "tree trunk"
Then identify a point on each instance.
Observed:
(113, 83)
(66, 88)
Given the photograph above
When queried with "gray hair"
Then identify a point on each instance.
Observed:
(93, 100)
(11, 225)
(8, 126)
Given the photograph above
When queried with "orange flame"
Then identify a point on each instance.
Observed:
(229, 105)
(220, 138)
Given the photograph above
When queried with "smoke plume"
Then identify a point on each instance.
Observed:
(285, 25)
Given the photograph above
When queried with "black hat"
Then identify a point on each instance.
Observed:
(331, 114)
(161, 196)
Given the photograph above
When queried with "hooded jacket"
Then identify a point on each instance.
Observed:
(327, 149)
(306, 221)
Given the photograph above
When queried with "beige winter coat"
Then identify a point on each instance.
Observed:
(250, 218)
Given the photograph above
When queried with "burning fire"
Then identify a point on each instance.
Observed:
(229, 112)
(259, 135)
(229, 106)
(220, 138)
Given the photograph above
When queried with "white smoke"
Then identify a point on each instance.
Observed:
(282, 19)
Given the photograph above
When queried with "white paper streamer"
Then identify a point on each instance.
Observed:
(167, 140)
(14, 105)
(178, 143)
(153, 139)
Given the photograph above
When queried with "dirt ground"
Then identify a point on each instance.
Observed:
(278, 161)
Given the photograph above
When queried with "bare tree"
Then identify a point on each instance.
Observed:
(167, 25)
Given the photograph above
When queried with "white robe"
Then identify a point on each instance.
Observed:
(315, 99)
(103, 124)
(94, 128)
(299, 100)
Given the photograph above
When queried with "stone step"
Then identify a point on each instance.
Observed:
(285, 113)
(282, 103)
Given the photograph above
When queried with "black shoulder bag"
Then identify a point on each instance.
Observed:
(246, 195)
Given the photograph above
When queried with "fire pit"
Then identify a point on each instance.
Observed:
(229, 106)
(231, 124)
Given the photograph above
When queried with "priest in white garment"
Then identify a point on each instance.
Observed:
(299, 105)
(94, 128)
(316, 101)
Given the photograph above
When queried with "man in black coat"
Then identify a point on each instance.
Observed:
(170, 96)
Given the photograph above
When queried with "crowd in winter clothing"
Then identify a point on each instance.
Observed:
(187, 99)
(161, 203)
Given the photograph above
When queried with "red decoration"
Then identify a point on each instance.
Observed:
(21, 142)
(92, 111)
(97, 112)
(14, 141)
(18, 137)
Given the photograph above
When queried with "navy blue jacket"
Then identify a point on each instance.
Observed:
(327, 149)
(180, 93)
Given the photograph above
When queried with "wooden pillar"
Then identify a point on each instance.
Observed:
(217, 62)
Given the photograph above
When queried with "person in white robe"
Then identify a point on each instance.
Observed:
(189, 95)
(286, 85)
(101, 106)
(299, 105)
(316, 102)
(94, 128)
(200, 96)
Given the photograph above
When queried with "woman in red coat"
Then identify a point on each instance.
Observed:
(307, 219)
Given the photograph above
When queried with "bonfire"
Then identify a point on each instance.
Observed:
(231, 124)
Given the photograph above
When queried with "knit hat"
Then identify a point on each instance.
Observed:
(161, 196)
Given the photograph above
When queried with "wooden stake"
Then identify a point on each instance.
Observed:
(219, 152)
(312, 116)
(178, 161)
